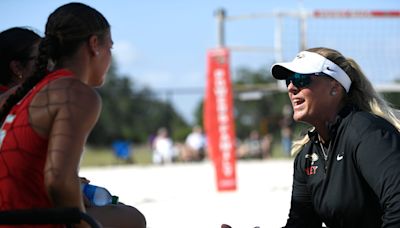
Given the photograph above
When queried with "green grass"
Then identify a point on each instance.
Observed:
(104, 156)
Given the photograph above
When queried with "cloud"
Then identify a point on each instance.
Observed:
(125, 53)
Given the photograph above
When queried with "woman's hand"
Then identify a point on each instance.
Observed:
(84, 180)
(225, 226)
(86, 201)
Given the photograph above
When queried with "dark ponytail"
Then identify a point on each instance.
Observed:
(67, 28)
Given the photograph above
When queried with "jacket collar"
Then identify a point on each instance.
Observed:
(333, 126)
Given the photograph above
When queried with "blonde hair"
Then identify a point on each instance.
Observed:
(361, 93)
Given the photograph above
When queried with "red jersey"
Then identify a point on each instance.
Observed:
(23, 155)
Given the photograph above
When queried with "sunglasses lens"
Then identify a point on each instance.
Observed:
(299, 80)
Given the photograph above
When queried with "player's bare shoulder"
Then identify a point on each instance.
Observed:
(67, 91)
(65, 98)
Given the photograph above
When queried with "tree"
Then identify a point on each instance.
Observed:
(131, 113)
(262, 114)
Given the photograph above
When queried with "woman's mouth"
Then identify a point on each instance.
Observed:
(297, 102)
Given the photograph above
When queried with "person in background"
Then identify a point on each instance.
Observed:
(19, 48)
(195, 145)
(266, 146)
(286, 125)
(163, 146)
(251, 148)
(346, 170)
(47, 119)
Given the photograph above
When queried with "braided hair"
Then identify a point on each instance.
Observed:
(16, 43)
(68, 27)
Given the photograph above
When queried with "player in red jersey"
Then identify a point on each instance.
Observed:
(46, 120)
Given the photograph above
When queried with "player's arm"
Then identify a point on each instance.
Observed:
(75, 108)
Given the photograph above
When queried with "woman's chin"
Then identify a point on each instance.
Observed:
(299, 116)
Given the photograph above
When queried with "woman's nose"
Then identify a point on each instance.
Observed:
(292, 88)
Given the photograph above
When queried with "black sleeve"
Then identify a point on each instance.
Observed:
(302, 213)
(378, 158)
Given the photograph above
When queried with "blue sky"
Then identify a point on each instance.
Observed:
(163, 44)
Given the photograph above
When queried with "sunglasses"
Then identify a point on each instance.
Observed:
(301, 80)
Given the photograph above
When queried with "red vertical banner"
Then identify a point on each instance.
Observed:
(218, 118)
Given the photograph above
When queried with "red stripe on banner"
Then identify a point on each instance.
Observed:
(218, 118)
(386, 13)
(356, 13)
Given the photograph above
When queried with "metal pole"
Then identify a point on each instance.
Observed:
(220, 15)
(278, 38)
(303, 29)
(278, 47)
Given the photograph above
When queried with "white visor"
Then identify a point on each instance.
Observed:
(308, 63)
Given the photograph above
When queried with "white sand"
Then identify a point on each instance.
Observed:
(185, 195)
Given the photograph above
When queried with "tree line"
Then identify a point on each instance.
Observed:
(131, 113)
(135, 114)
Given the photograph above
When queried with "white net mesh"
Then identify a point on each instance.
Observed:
(371, 38)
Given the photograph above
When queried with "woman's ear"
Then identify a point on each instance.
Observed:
(336, 88)
(94, 45)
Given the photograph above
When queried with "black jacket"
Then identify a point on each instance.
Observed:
(358, 185)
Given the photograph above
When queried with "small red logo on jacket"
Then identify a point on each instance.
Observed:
(311, 170)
